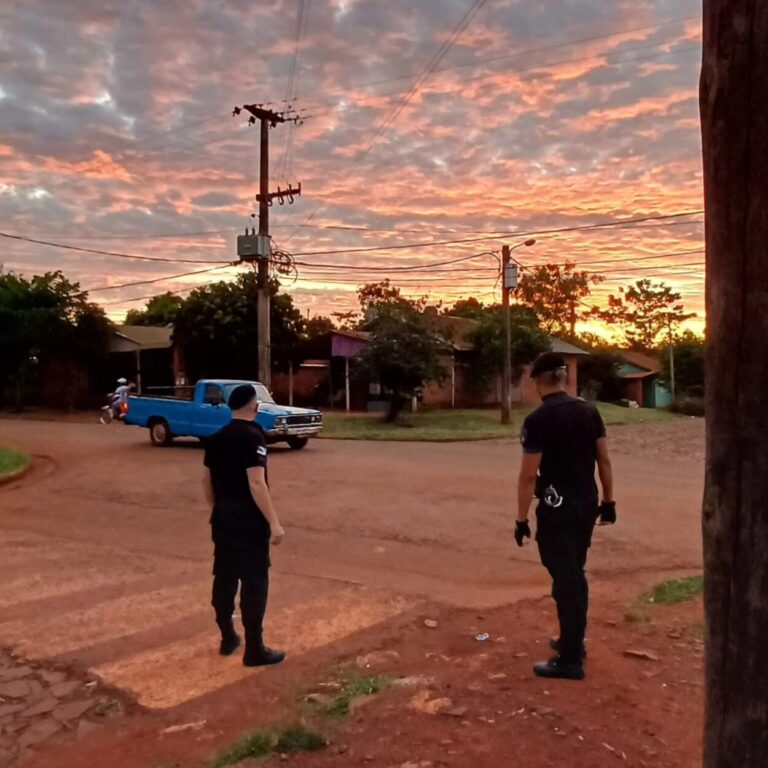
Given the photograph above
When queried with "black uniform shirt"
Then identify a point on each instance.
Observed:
(229, 454)
(565, 431)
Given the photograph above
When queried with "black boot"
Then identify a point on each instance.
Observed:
(558, 668)
(257, 654)
(230, 640)
(554, 644)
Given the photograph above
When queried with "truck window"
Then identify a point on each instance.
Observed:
(213, 395)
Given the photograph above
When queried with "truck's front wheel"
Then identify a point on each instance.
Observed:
(160, 433)
(297, 443)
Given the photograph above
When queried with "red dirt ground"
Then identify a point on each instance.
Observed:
(629, 711)
(105, 572)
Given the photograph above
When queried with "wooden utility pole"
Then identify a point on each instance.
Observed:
(509, 276)
(506, 373)
(260, 248)
(734, 110)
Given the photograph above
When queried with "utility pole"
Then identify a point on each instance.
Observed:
(734, 112)
(509, 276)
(506, 373)
(671, 362)
(259, 248)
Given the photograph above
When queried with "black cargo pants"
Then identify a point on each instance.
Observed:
(233, 568)
(564, 537)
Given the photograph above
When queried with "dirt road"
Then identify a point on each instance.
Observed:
(105, 553)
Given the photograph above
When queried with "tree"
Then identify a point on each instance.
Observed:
(689, 355)
(318, 325)
(598, 375)
(217, 328)
(592, 342)
(403, 352)
(646, 312)
(471, 308)
(556, 293)
(527, 341)
(372, 295)
(345, 321)
(160, 310)
(734, 109)
(48, 324)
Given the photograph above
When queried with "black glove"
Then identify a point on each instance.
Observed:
(607, 512)
(522, 531)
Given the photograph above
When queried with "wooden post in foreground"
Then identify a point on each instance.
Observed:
(734, 109)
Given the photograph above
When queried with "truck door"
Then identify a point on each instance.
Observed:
(212, 413)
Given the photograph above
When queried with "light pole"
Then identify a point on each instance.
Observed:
(509, 283)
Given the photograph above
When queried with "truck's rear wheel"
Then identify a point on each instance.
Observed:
(160, 433)
(297, 443)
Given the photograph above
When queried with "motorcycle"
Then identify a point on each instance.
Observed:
(114, 410)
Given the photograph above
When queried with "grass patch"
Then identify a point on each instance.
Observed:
(11, 461)
(666, 593)
(263, 743)
(675, 591)
(458, 425)
(615, 415)
(256, 744)
(299, 738)
(424, 426)
(338, 707)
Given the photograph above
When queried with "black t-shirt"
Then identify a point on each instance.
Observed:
(229, 454)
(565, 431)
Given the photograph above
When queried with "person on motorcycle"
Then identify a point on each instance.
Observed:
(120, 401)
(122, 391)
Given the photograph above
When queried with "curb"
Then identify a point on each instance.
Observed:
(17, 474)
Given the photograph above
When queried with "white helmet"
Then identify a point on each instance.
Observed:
(122, 381)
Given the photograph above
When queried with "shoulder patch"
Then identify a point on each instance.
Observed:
(262, 450)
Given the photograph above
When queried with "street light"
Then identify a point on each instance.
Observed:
(509, 275)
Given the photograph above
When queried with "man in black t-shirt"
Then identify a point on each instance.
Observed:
(562, 441)
(243, 524)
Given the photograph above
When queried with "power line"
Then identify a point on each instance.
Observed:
(378, 268)
(155, 279)
(530, 51)
(444, 230)
(156, 236)
(170, 131)
(285, 163)
(181, 235)
(616, 261)
(431, 65)
(541, 232)
(518, 54)
(109, 253)
(148, 298)
(533, 68)
(662, 269)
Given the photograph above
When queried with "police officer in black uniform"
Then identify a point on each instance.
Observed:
(243, 524)
(562, 441)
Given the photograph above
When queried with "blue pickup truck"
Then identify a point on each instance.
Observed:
(202, 410)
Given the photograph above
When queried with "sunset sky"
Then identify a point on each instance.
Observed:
(117, 134)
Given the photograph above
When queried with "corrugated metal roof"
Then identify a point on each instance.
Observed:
(635, 374)
(148, 336)
(565, 348)
(641, 360)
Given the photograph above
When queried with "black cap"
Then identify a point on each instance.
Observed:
(241, 395)
(547, 362)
